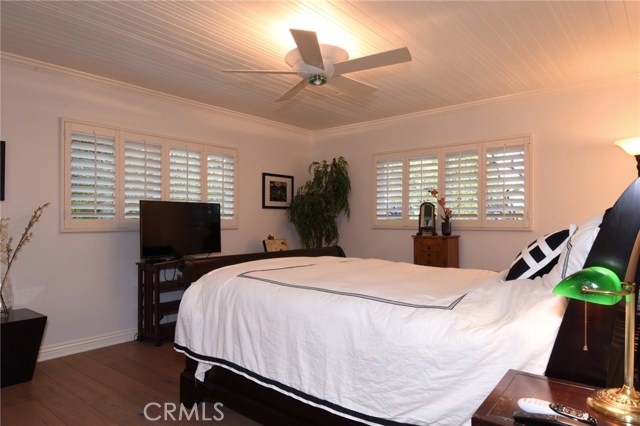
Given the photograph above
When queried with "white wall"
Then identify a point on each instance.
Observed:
(87, 282)
(578, 172)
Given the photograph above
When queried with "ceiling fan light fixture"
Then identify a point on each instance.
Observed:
(316, 63)
(317, 79)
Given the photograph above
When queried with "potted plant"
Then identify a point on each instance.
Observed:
(9, 254)
(22, 329)
(446, 213)
(315, 208)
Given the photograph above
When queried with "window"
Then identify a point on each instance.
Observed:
(142, 172)
(221, 182)
(423, 177)
(185, 174)
(485, 184)
(90, 172)
(389, 184)
(461, 182)
(505, 193)
(108, 171)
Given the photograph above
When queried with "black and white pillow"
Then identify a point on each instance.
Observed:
(539, 257)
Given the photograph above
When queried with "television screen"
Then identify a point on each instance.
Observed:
(172, 229)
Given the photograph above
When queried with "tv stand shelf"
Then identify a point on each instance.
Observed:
(160, 288)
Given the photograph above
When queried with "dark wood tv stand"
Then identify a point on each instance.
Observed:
(160, 288)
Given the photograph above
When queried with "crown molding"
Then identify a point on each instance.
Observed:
(402, 119)
(45, 67)
(39, 66)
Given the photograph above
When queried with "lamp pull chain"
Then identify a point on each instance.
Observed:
(586, 342)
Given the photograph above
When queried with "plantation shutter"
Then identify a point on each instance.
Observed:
(461, 182)
(506, 192)
(485, 184)
(423, 177)
(221, 183)
(107, 171)
(184, 174)
(389, 198)
(142, 174)
(92, 176)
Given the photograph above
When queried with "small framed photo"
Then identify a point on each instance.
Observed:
(275, 245)
(277, 191)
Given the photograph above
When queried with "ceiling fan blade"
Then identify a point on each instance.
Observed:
(309, 48)
(292, 92)
(351, 86)
(381, 59)
(261, 71)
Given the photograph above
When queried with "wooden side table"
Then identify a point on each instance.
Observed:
(436, 250)
(497, 409)
(21, 335)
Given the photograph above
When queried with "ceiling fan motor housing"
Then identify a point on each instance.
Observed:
(317, 79)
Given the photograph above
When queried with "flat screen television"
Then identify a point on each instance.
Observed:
(173, 229)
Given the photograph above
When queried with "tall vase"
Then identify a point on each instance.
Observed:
(446, 228)
(6, 294)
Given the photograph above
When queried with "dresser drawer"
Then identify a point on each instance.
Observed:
(428, 249)
(431, 259)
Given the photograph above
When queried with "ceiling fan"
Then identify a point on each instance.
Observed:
(320, 64)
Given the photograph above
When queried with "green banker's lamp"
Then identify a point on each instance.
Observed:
(602, 286)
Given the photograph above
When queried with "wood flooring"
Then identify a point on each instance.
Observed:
(109, 387)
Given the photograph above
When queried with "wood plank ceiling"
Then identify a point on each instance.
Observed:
(463, 51)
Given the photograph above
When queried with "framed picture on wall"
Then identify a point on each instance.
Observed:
(2, 162)
(277, 191)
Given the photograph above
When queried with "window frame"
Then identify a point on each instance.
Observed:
(120, 222)
(526, 222)
(482, 147)
(135, 137)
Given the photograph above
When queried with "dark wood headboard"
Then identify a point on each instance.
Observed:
(602, 364)
(193, 269)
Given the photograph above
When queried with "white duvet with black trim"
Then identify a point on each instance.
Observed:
(385, 343)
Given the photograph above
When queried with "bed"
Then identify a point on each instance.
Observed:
(278, 338)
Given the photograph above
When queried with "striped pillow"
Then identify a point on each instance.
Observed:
(539, 257)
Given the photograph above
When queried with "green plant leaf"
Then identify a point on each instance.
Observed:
(315, 208)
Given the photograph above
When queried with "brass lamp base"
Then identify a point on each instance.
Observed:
(620, 403)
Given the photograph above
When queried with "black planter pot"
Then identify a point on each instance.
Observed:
(21, 335)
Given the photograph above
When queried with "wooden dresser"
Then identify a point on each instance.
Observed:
(436, 250)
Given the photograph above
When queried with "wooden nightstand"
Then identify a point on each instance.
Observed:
(436, 250)
(498, 408)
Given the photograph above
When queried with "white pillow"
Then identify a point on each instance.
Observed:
(578, 247)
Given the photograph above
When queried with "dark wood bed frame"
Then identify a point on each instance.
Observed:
(601, 366)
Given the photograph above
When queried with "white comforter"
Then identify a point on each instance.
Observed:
(387, 340)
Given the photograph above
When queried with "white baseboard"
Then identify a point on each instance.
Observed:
(87, 344)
